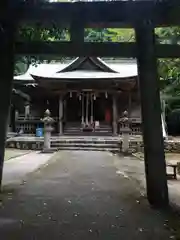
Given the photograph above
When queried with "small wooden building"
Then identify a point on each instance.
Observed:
(84, 94)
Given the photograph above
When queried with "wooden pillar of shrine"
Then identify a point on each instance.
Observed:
(129, 103)
(82, 109)
(92, 109)
(7, 34)
(114, 108)
(155, 167)
(61, 115)
(87, 109)
(27, 110)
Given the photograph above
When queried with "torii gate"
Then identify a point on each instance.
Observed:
(141, 15)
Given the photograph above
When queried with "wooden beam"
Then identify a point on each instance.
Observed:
(22, 94)
(167, 51)
(77, 29)
(75, 49)
(105, 14)
(127, 49)
(155, 166)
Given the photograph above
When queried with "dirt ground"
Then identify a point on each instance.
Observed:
(12, 153)
(80, 195)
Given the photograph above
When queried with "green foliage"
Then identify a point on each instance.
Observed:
(169, 35)
(169, 69)
(109, 35)
(21, 65)
(39, 33)
(122, 35)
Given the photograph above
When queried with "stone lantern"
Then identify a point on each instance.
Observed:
(125, 129)
(48, 121)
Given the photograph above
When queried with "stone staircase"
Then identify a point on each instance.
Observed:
(86, 143)
(74, 129)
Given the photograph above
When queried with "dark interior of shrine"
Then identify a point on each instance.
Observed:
(95, 107)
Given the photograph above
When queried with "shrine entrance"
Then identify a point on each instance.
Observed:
(88, 108)
(143, 16)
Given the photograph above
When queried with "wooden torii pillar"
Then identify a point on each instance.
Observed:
(7, 33)
(155, 167)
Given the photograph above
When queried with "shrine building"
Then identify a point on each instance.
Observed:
(86, 94)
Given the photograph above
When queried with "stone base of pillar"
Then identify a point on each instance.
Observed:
(49, 150)
(114, 125)
(91, 119)
(60, 128)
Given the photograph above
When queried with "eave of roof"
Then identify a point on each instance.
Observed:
(86, 75)
(57, 72)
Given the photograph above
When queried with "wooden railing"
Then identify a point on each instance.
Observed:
(134, 131)
(29, 125)
(135, 120)
(29, 128)
(32, 118)
(135, 127)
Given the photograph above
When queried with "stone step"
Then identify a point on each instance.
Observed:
(103, 130)
(96, 130)
(79, 130)
(81, 141)
(87, 133)
(82, 145)
(89, 149)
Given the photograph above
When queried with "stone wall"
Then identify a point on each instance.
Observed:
(25, 145)
(170, 146)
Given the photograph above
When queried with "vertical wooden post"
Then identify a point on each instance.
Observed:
(61, 115)
(82, 109)
(155, 167)
(114, 114)
(92, 109)
(77, 29)
(26, 110)
(129, 102)
(87, 109)
(7, 32)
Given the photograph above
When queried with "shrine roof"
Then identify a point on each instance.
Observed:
(83, 74)
(81, 68)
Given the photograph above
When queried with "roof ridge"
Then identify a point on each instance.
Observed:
(96, 60)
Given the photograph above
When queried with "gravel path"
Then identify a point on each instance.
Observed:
(79, 195)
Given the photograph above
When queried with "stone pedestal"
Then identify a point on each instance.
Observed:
(48, 121)
(125, 139)
(125, 130)
(47, 137)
